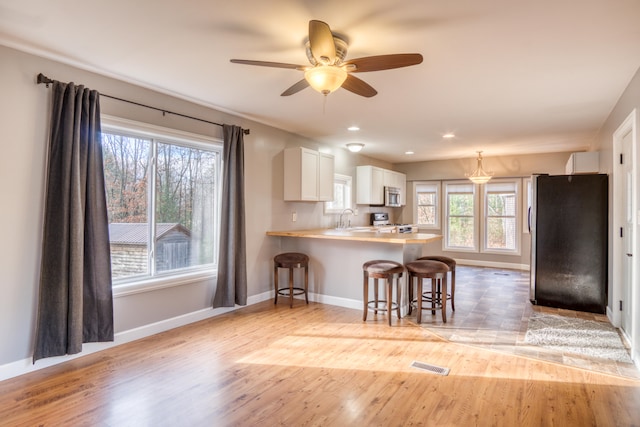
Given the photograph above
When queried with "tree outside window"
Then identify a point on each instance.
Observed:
(341, 194)
(501, 200)
(162, 203)
(427, 205)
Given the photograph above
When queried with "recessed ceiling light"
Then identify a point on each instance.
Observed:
(353, 128)
(449, 135)
(409, 153)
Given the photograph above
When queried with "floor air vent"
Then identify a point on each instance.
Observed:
(431, 368)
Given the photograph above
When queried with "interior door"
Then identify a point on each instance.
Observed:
(627, 224)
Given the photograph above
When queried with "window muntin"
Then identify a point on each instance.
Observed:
(427, 204)
(460, 224)
(162, 199)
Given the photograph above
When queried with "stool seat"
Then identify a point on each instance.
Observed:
(382, 269)
(427, 267)
(437, 272)
(451, 263)
(291, 260)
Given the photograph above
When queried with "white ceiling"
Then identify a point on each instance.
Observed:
(507, 76)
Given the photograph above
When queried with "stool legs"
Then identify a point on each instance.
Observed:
(453, 289)
(390, 281)
(365, 287)
(291, 288)
(276, 284)
(306, 284)
(438, 296)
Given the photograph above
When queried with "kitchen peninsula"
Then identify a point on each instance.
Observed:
(336, 257)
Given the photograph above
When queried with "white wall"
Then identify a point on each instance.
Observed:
(628, 101)
(23, 135)
(503, 166)
(23, 130)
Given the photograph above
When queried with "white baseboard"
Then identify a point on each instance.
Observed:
(507, 265)
(24, 366)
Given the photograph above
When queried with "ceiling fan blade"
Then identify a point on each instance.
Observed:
(269, 64)
(302, 84)
(321, 43)
(383, 62)
(359, 87)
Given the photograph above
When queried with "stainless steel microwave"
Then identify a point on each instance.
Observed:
(392, 197)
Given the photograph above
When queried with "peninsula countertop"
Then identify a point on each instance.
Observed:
(360, 234)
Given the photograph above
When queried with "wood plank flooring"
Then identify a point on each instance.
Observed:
(314, 365)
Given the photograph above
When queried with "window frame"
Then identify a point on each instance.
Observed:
(438, 202)
(445, 205)
(517, 216)
(157, 280)
(526, 204)
(347, 181)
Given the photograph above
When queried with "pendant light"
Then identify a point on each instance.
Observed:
(479, 176)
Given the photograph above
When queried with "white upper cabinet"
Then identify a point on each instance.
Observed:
(371, 181)
(397, 180)
(308, 175)
(369, 185)
(587, 162)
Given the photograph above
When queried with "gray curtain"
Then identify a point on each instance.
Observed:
(232, 263)
(76, 303)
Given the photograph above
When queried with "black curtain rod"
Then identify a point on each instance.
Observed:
(42, 79)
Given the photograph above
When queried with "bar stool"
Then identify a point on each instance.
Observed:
(291, 260)
(437, 272)
(451, 263)
(382, 269)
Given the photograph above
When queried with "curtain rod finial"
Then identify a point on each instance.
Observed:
(43, 79)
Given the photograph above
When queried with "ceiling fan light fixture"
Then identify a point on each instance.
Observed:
(354, 147)
(479, 176)
(325, 78)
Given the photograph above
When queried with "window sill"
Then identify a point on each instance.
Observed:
(156, 283)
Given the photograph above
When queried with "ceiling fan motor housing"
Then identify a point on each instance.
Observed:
(341, 51)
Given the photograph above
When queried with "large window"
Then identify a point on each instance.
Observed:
(426, 212)
(162, 199)
(493, 219)
(501, 215)
(461, 217)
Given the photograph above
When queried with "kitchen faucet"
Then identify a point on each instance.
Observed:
(340, 221)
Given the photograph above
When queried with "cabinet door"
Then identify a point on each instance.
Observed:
(309, 175)
(325, 179)
(300, 174)
(370, 185)
(377, 186)
(402, 185)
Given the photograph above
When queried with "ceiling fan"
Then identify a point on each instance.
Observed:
(329, 70)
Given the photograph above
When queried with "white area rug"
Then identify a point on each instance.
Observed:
(578, 336)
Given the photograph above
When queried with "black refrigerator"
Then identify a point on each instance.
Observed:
(568, 221)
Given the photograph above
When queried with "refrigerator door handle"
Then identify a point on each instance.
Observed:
(529, 219)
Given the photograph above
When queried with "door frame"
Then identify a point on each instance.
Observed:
(618, 251)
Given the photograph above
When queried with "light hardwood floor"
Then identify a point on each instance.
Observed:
(315, 365)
